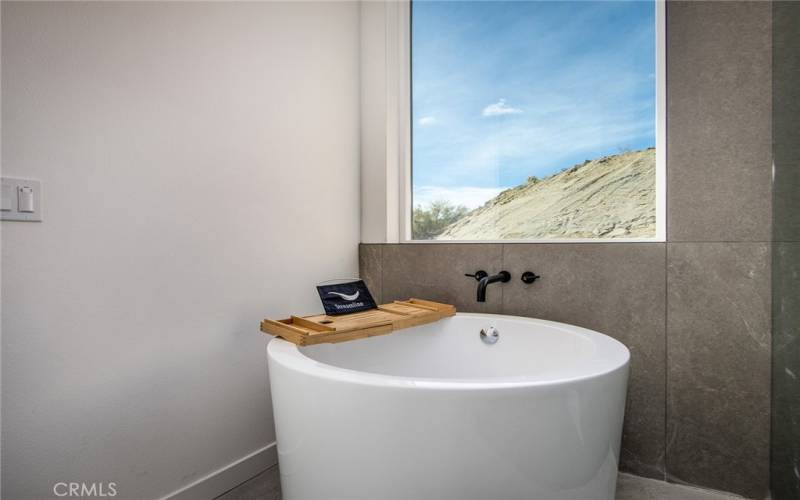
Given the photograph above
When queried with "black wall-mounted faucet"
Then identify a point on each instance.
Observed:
(484, 280)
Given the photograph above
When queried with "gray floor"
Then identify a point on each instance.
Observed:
(266, 486)
(630, 487)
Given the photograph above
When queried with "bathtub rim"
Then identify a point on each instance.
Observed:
(291, 357)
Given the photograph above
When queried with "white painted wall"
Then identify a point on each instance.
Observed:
(385, 138)
(201, 171)
(373, 122)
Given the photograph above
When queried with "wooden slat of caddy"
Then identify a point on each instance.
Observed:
(311, 325)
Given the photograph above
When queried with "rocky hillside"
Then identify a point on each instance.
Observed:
(610, 197)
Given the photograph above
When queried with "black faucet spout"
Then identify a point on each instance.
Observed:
(502, 277)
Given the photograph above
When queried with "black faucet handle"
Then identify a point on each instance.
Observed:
(529, 277)
(478, 275)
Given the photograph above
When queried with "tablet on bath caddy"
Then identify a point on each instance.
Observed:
(345, 298)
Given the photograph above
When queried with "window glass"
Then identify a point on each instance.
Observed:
(533, 120)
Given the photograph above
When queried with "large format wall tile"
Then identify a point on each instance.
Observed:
(786, 370)
(786, 121)
(617, 289)
(785, 456)
(719, 152)
(718, 352)
(370, 269)
(436, 272)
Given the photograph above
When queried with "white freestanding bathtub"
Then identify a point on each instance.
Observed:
(436, 412)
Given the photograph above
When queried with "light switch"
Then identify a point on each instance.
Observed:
(25, 199)
(7, 198)
(21, 200)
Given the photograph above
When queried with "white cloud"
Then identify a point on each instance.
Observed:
(427, 120)
(469, 196)
(500, 108)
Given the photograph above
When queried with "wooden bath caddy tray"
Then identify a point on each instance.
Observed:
(310, 330)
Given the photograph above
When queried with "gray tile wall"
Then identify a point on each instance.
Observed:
(719, 131)
(695, 311)
(786, 370)
(719, 181)
(718, 369)
(786, 252)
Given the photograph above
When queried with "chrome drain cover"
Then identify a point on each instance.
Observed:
(490, 335)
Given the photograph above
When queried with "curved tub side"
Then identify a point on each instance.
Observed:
(339, 439)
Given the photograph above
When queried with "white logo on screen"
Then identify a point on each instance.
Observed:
(348, 298)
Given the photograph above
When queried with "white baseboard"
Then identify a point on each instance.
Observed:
(223, 479)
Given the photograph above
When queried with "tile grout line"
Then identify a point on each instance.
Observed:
(666, 355)
(380, 260)
(502, 267)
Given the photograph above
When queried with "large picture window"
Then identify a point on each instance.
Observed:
(535, 121)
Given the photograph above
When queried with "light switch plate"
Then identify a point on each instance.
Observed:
(12, 208)
(7, 198)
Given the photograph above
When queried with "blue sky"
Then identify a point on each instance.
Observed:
(505, 90)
